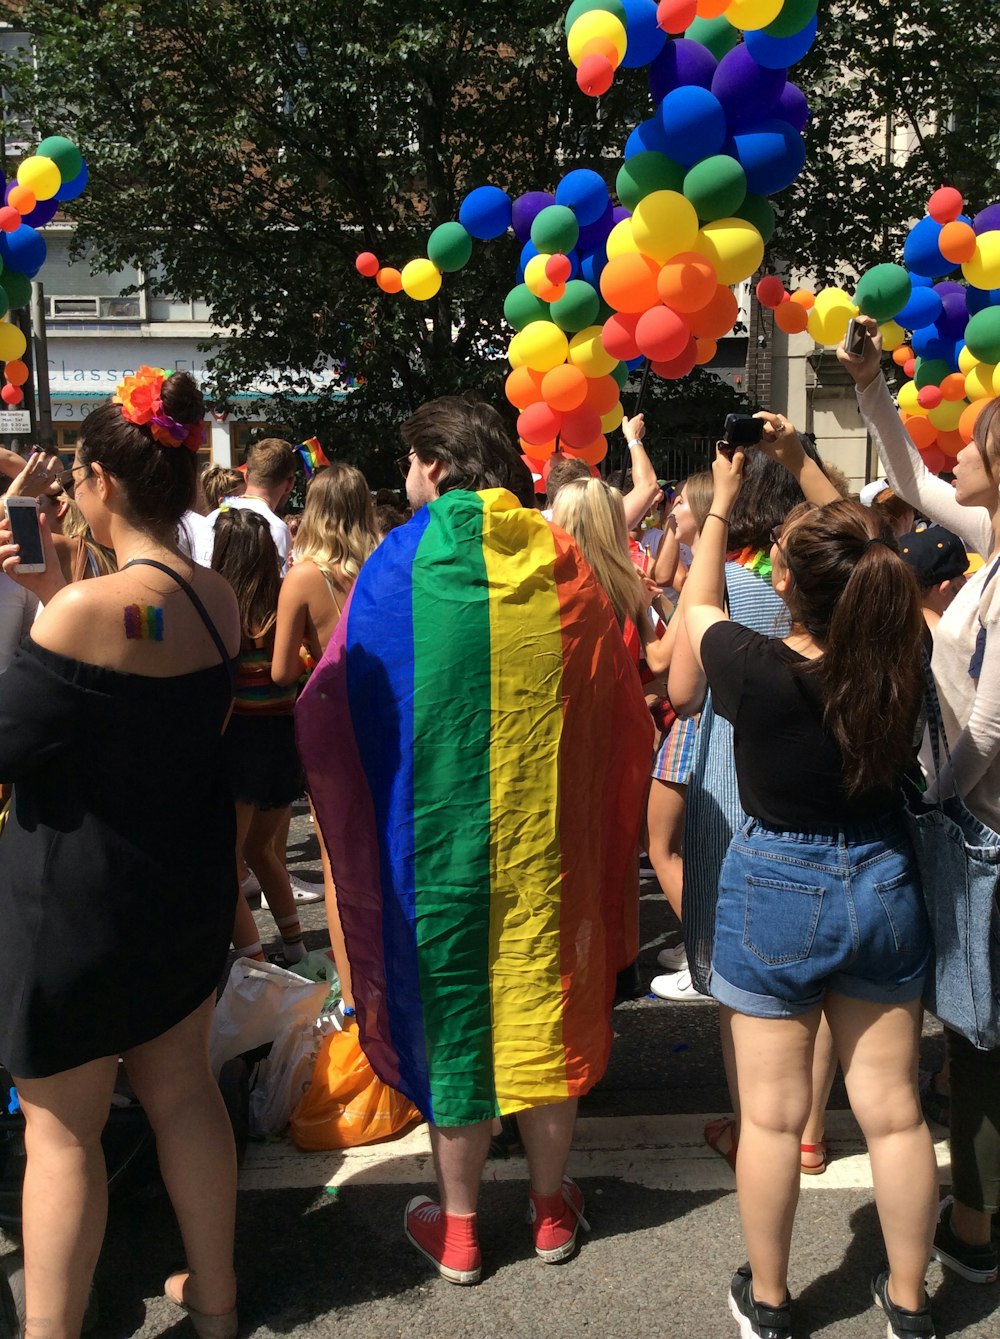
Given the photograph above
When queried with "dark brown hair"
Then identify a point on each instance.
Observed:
(471, 441)
(270, 463)
(245, 554)
(986, 435)
(159, 482)
(564, 468)
(861, 603)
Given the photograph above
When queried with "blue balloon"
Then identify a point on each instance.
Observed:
(979, 299)
(648, 137)
(585, 193)
(923, 308)
(771, 154)
(591, 266)
(680, 63)
(23, 249)
(777, 53)
(69, 190)
(44, 212)
(921, 252)
(633, 364)
(921, 281)
(486, 213)
(528, 252)
(927, 343)
(694, 125)
(748, 92)
(645, 38)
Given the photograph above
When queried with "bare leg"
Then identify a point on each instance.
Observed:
(547, 1135)
(774, 1069)
(259, 849)
(824, 1071)
(65, 1194)
(665, 823)
(245, 933)
(878, 1047)
(337, 942)
(459, 1157)
(729, 1061)
(194, 1141)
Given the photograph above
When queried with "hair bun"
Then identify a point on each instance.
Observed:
(182, 398)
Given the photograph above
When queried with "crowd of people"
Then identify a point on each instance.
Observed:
(738, 691)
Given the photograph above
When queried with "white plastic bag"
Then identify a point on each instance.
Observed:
(259, 1002)
(283, 1077)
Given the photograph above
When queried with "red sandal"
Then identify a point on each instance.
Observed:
(714, 1132)
(818, 1168)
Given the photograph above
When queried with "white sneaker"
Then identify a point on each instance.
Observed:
(305, 892)
(250, 886)
(673, 959)
(679, 987)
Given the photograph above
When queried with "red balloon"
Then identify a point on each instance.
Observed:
(770, 291)
(595, 75)
(910, 368)
(581, 427)
(618, 335)
(680, 366)
(10, 219)
(935, 460)
(661, 334)
(367, 264)
(14, 395)
(945, 204)
(558, 269)
(929, 397)
(536, 468)
(603, 393)
(676, 16)
(539, 423)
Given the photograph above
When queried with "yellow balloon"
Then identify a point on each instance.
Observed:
(893, 335)
(979, 382)
(734, 247)
(421, 279)
(588, 353)
(945, 417)
(612, 419)
(12, 341)
(665, 223)
(830, 315)
(907, 399)
(596, 23)
(967, 360)
(41, 176)
(514, 355)
(753, 14)
(996, 380)
(542, 345)
(621, 239)
(534, 274)
(983, 270)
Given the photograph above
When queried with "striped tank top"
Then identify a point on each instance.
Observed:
(256, 692)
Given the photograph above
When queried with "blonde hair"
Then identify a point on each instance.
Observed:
(339, 529)
(219, 482)
(699, 489)
(594, 515)
(74, 526)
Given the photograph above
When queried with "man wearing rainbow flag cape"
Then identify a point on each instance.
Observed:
(477, 747)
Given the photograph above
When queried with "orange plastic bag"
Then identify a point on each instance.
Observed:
(347, 1104)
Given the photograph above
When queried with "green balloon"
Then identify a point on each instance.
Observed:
(760, 212)
(716, 187)
(4, 305)
(930, 372)
(982, 335)
(883, 291)
(794, 16)
(449, 247)
(620, 372)
(520, 307)
(604, 313)
(718, 35)
(16, 286)
(64, 154)
(577, 308)
(555, 229)
(579, 7)
(645, 173)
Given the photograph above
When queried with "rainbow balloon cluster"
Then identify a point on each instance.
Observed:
(601, 286)
(939, 313)
(55, 172)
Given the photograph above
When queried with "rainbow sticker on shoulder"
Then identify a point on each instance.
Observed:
(143, 622)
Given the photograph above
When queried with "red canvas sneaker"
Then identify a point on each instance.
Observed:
(555, 1221)
(448, 1240)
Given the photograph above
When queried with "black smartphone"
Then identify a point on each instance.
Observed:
(741, 430)
(854, 340)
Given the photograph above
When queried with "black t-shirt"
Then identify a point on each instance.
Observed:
(788, 765)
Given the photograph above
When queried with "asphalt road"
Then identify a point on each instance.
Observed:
(320, 1250)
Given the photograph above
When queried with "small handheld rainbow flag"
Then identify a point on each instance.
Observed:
(478, 764)
(313, 456)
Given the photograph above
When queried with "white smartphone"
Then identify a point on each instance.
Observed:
(855, 339)
(22, 512)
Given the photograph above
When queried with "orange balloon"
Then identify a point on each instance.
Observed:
(804, 298)
(791, 317)
(968, 420)
(712, 9)
(953, 386)
(922, 432)
(537, 451)
(902, 356)
(389, 280)
(524, 387)
(603, 393)
(705, 351)
(628, 282)
(600, 46)
(564, 387)
(950, 442)
(717, 317)
(957, 242)
(590, 455)
(16, 372)
(22, 199)
(687, 282)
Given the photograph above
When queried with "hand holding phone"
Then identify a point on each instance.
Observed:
(855, 339)
(22, 515)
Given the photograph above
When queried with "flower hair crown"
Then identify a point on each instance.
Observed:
(141, 399)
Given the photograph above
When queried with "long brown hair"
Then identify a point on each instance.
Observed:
(860, 602)
(245, 554)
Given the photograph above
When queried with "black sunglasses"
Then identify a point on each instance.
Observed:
(403, 462)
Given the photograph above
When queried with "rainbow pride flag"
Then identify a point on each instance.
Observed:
(313, 456)
(477, 747)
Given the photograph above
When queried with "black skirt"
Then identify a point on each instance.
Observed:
(264, 764)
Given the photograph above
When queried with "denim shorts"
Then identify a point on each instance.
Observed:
(801, 913)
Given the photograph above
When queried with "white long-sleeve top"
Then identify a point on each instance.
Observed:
(971, 711)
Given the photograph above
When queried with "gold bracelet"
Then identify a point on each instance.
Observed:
(723, 519)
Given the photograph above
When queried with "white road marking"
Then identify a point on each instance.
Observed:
(658, 1152)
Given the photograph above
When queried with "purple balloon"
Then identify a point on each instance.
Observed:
(526, 208)
(988, 219)
(945, 286)
(954, 316)
(793, 107)
(620, 212)
(595, 233)
(44, 212)
(747, 91)
(681, 62)
(69, 190)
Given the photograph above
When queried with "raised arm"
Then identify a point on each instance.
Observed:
(644, 485)
(704, 595)
(908, 476)
(783, 444)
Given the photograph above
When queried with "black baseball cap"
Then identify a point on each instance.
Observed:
(935, 554)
